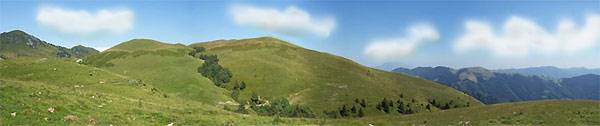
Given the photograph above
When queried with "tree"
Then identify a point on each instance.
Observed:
(401, 109)
(344, 111)
(199, 49)
(353, 109)
(363, 103)
(385, 105)
(234, 94)
(428, 107)
(447, 106)
(243, 86)
(361, 113)
(254, 98)
(356, 100)
(236, 85)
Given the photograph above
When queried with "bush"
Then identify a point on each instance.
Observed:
(283, 108)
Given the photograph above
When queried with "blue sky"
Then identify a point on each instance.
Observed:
(497, 34)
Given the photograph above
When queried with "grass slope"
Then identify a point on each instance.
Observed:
(551, 112)
(274, 68)
(143, 44)
(165, 66)
(29, 86)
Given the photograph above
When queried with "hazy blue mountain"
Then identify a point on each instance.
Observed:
(584, 86)
(555, 72)
(389, 66)
(492, 87)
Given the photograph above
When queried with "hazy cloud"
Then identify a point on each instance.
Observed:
(291, 21)
(85, 23)
(393, 48)
(519, 37)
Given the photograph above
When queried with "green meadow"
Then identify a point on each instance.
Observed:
(146, 82)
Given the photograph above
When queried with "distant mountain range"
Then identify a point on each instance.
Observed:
(554, 72)
(492, 87)
(20, 44)
(389, 66)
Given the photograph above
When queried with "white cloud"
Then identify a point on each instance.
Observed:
(84, 23)
(291, 21)
(520, 37)
(389, 49)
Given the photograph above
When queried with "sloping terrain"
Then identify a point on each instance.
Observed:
(550, 112)
(31, 87)
(275, 69)
(58, 91)
(165, 66)
(492, 87)
(20, 44)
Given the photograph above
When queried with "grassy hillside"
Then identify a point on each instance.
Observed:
(30, 86)
(274, 69)
(165, 66)
(144, 44)
(20, 44)
(552, 112)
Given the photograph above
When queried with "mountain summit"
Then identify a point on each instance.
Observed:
(17, 43)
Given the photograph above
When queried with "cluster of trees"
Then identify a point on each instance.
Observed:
(279, 107)
(348, 112)
(213, 71)
(446, 105)
(237, 88)
(196, 50)
(409, 107)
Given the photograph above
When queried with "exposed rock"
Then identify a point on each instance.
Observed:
(51, 110)
(71, 117)
(92, 121)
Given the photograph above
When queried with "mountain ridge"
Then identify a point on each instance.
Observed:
(492, 87)
(18, 43)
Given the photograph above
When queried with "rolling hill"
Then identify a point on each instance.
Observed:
(30, 86)
(165, 66)
(146, 82)
(20, 44)
(492, 87)
(274, 69)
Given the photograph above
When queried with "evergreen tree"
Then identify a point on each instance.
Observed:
(243, 86)
(353, 109)
(356, 100)
(428, 107)
(344, 111)
(401, 108)
(236, 85)
(363, 103)
(361, 113)
(446, 106)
